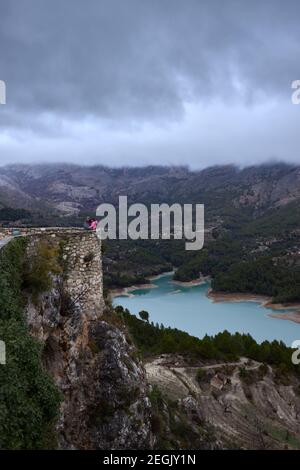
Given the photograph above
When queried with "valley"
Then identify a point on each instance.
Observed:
(201, 373)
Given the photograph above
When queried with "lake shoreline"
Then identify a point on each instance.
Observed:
(127, 291)
(295, 317)
(195, 282)
(159, 276)
(196, 312)
(292, 310)
(263, 300)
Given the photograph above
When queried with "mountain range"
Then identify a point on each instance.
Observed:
(72, 190)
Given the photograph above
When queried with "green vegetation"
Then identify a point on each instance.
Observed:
(246, 376)
(11, 268)
(216, 258)
(155, 340)
(172, 427)
(284, 436)
(200, 375)
(276, 222)
(39, 269)
(261, 276)
(128, 262)
(250, 253)
(7, 214)
(120, 280)
(144, 315)
(29, 400)
(235, 265)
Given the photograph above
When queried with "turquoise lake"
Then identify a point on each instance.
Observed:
(189, 309)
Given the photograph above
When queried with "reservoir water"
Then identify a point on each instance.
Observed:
(189, 309)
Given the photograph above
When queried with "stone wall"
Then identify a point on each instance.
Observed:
(26, 231)
(81, 253)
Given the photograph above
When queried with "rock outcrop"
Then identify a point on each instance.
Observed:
(92, 361)
(254, 410)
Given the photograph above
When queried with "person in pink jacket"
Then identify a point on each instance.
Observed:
(93, 224)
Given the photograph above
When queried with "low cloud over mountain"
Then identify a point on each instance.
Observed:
(141, 82)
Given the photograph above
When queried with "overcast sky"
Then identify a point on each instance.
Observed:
(134, 82)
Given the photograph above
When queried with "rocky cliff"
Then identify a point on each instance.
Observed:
(105, 404)
(108, 399)
(240, 405)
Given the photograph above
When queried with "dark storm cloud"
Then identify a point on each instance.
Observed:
(129, 62)
(137, 58)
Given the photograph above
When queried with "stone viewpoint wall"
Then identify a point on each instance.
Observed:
(82, 259)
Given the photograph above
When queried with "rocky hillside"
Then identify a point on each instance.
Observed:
(244, 404)
(70, 189)
(55, 329)
(83, 376)
(105, 403)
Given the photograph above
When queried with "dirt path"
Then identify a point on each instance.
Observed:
(179, 380)
(260, 414)
(242, 361)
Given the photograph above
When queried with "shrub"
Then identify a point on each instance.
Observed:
(144, 315)
(246, 375)
(200, 375)
(29, 400)
(39, 270)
